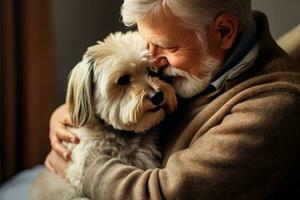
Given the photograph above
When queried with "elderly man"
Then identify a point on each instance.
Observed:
(236, 133)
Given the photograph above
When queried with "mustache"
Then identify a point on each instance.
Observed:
(166, 73)
(173, 72)
(169, 73)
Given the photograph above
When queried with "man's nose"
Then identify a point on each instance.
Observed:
(158, 58)
(159, 62)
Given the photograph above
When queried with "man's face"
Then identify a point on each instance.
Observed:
(178, 49)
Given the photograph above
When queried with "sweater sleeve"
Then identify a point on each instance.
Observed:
(245, 155)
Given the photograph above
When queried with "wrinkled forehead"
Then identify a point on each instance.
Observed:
(162, 32)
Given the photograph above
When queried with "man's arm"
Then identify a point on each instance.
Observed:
(244, 156)
(56, 160)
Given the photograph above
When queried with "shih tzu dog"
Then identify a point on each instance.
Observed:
(116, 101)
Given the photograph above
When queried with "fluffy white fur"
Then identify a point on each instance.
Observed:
(116, 103)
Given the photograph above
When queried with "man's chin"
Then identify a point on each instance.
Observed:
(186, 88)
(185, 94)
(186, 84)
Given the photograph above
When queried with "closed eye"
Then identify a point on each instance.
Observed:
(124, 80)
(172, 49)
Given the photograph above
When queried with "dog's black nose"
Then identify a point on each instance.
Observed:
(156, 97)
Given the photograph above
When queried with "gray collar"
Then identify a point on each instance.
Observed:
(242, 66)
(242, 56)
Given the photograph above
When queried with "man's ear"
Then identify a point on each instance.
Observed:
(226, 26)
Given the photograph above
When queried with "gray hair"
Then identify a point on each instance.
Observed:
(195, 14)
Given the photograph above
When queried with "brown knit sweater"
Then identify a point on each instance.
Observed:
(236, 143)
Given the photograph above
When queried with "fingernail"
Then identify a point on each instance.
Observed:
(74, 140)
(66, 155)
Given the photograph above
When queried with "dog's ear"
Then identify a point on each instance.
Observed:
(80, 92)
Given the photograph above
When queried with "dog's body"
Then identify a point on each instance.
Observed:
(116, 104)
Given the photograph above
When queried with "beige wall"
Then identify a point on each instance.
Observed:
(283, 14)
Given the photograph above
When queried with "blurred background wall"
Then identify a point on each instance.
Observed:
(77, 25)
(283, 15)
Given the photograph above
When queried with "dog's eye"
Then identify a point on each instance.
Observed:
(124, 80)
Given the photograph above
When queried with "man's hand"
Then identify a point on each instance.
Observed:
(56, 160)
(56, 164)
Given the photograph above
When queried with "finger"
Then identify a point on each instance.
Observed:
(60, 149)
(49, 166)
(66, 120)
(55, 164)
(64, 135)
(58, 164)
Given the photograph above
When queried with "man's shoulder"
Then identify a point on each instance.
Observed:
(273, 70)
(275, 85)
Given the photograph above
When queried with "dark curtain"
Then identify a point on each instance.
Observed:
(27, 83)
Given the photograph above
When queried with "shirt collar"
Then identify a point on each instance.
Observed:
(242, 56)
(242, 66)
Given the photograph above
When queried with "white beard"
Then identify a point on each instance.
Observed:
(188, 85)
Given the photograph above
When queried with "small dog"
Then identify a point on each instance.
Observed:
(116, 100)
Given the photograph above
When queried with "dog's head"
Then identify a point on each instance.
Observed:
(112, 82)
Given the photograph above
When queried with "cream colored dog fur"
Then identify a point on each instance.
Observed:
(116, 103)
